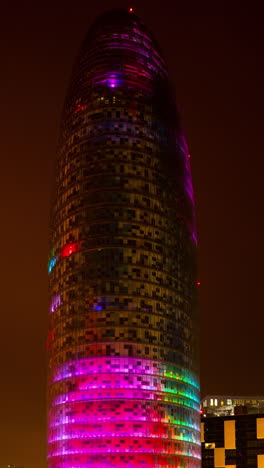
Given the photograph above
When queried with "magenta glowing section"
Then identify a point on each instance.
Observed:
(124, 403)
(55, 302)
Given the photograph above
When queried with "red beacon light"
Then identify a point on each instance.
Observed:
(131, 10)
(198, 283)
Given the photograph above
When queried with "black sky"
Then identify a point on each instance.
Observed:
(215, 56)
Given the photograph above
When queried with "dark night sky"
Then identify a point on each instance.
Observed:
(214, 53)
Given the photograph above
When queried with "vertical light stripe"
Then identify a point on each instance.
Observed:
(260, 461)
(230, 434)
(260, 428)
(202, 432)
(219, 457)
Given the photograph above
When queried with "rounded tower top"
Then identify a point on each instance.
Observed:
(119, 51)
(119, 17)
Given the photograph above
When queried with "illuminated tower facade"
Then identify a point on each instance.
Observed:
(123, 386)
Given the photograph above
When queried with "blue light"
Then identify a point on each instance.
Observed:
(52, 263)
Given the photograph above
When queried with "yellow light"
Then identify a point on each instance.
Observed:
(210, 445)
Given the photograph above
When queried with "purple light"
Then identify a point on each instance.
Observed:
(124, 365)
(114, 80)
(99, 304)
(55, 303)
(85, 415)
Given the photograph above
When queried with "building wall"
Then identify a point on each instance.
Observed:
(225, 405)
(123, 386)
(233, 441)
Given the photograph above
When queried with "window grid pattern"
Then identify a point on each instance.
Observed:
(123, 387)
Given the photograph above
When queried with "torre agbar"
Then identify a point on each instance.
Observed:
(122, 342)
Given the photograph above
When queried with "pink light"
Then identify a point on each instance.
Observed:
(95, 430)
(55, 303)
(123, 459)
(122, 365)
(127, 393)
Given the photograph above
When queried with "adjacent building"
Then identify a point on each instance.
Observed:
(226, 405)
(122, 343)
(233, 441)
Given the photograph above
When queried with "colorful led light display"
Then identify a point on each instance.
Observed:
(123, 385)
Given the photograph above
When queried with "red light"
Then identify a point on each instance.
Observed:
(131, 10)
(189, 155)
(198, 283)
(68, 249)
(50, 339)
(79, 107)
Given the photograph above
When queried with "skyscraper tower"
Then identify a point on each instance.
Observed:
(123, 387)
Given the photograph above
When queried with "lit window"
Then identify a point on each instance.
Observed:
(209, 445)
(211, 402)
(229, 402)
(216, 402)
